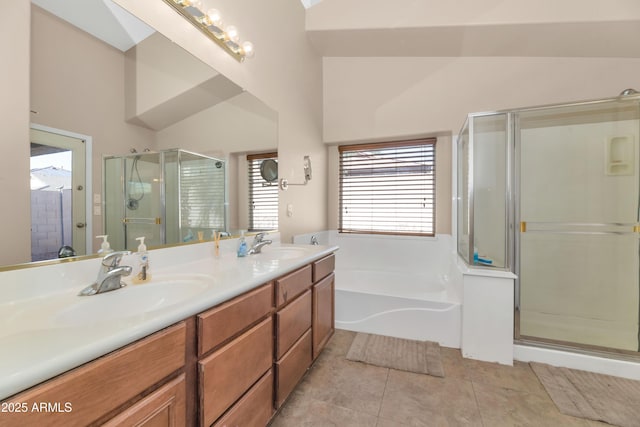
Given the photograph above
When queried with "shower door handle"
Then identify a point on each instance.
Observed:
(157, 220)
(81, 225)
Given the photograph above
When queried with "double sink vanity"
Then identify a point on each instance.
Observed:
(208, 341)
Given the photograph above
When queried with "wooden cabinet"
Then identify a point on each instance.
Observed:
(229, 372)
(292, 367)
(231, 365)
(99, 389)
(217, 325)
(235, 350)
(254, 409)
(164, 407)
(323, 267)
(293, 330)
(323, 313)
(293, 284)
(291, 322)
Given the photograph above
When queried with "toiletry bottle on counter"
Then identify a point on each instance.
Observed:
(142, 276)
(105, 248)
(242, 245)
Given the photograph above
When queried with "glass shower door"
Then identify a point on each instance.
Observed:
(143, 200)
(578, 211)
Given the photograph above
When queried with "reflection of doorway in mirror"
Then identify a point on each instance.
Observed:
(58, 201)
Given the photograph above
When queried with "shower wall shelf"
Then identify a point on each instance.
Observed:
(619, 155)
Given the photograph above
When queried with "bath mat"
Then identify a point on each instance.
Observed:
(422, 357)
(589, 395)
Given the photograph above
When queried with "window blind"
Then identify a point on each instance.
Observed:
(388, 188)
(202, 193)
(263, 196)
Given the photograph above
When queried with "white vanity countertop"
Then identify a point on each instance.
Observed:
(41, 336)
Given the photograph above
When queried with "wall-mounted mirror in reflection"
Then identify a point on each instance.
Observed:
(104, 79)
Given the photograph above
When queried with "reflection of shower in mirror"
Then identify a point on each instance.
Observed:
(135, 188)
(166, 196)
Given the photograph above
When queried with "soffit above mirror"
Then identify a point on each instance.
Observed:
(101, 18)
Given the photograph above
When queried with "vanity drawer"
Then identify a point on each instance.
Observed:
(323, 267)
(217, 325)
(293, 284)
(255, 408)
(292, 367)
(229, 372)
(101, 386)
(291, 322)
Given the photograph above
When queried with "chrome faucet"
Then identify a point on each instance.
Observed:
(258, 244)
(109, 275)
(314, 240)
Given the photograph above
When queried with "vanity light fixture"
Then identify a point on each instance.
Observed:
(284, 183)
(210, 23)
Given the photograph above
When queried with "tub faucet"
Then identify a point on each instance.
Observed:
(109, 275)
(258, 244)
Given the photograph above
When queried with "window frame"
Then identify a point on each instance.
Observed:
(429, 182)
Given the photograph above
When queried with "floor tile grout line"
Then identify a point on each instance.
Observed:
(384, 391)
(475, 397)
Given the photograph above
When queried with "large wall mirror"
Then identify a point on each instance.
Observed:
(99, 72)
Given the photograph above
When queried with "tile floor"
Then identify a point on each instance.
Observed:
(338, 392)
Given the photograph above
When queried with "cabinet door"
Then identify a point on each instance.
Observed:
(229, 372)
(323, 313)
(164, 407)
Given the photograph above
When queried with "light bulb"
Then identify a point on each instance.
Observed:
(232, 33)
(214, 17)
(198, 4)
(247, 48)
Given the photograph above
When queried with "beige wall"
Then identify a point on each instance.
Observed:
(386, 98)
(15, 218)
(228, 130)
(240, 124)
(358, 14)
(431, 28)
(379, 97)
(285, 73)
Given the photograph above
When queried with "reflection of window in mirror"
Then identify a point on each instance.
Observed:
(263, 195)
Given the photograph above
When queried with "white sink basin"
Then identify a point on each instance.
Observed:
(133, 300)
(270, 253)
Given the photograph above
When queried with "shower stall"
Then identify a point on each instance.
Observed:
(168, 197)
(552, 194)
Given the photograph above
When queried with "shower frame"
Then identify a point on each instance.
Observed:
(512, 199)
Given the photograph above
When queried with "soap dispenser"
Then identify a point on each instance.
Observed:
(143, 275)
(105, 248)
(242, 245)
